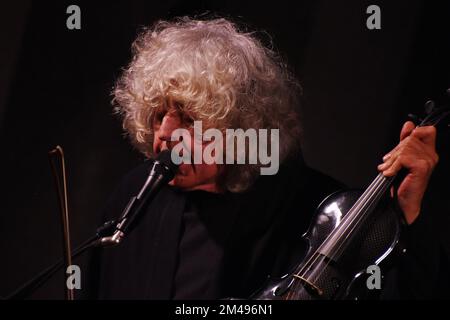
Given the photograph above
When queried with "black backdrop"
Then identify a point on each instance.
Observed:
(55, 84)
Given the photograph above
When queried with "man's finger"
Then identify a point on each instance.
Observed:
(407, 148)
(426, 134)
(408, 127)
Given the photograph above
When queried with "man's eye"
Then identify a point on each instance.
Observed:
(159, 116)
(187, 120)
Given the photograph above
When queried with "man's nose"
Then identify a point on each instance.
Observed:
(164, 133)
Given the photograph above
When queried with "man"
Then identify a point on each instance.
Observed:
(218, 230)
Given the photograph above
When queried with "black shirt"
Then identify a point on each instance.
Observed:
(199, 253)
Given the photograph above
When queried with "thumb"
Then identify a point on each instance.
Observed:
(408, 127)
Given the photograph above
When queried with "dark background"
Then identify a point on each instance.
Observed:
(55, 85)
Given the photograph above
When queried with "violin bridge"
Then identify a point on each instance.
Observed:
(310, 285)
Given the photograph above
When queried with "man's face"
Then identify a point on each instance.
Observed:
(190, 176)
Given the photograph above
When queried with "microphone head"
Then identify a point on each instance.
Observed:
(165, 159)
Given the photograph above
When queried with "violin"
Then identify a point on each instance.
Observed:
(350, 231)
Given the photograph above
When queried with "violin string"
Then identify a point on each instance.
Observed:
(316, 255)
(365, 205)
(367, 198)
(354, 224)
(363, 210)
(369, 194)
(343, 222)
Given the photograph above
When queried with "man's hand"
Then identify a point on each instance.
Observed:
(417, 153)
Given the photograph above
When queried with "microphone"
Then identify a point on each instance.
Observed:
(161, 173)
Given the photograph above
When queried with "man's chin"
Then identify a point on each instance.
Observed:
(182, 184)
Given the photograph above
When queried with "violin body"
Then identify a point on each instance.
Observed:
(338, 274)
